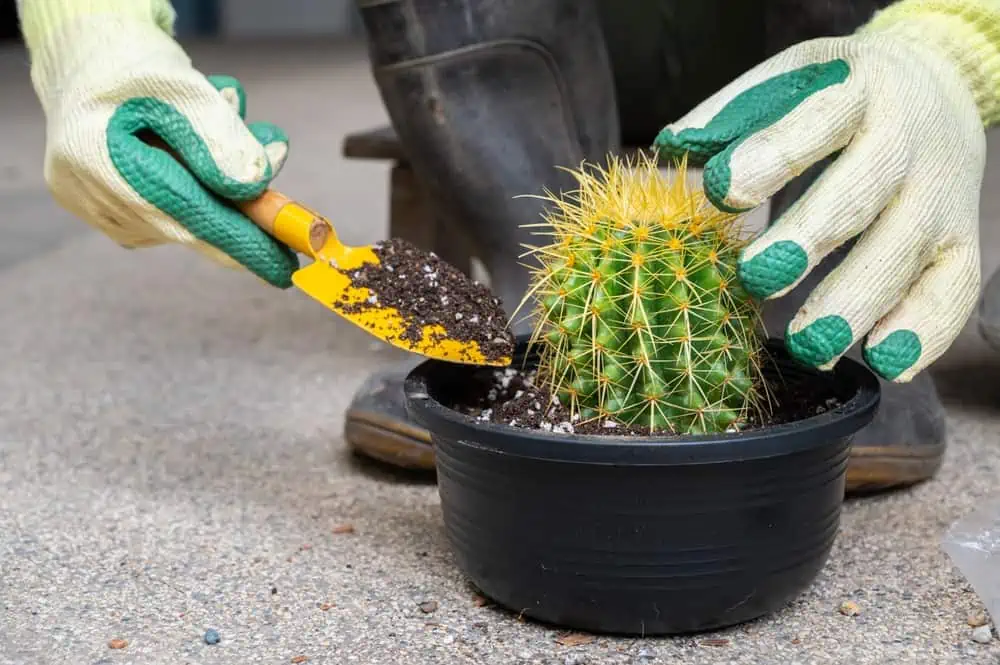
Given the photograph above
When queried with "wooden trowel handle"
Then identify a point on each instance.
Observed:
(264, 210)
(288, 221)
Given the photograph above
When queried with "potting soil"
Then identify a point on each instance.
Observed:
(511, 397)
(426, 290)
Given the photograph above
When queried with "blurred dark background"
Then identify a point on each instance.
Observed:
(8, 21)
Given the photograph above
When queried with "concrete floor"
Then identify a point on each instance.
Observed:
(171, 456)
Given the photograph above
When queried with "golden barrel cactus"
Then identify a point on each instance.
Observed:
(640, 318)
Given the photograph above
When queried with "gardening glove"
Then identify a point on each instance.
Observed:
(107, 71)
(904, 101)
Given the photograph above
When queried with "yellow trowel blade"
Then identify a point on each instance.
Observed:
(334, 289)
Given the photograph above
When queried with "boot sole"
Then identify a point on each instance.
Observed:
(869, 469)
(877, 468)
(389, 440)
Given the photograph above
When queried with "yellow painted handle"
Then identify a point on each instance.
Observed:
(291, 223)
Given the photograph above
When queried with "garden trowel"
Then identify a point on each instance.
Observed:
(414, 301)
(385, 301)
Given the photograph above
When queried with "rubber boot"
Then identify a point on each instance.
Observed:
(489, 98)
(988, 314)
(905, 443)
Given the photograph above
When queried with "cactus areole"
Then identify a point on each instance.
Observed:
(640, 319)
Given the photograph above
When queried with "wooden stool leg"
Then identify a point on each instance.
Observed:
(454, 245)
(412, 218)
(409, 217)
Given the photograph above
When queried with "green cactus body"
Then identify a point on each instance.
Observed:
(641, 319)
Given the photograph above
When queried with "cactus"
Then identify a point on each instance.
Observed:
(639, 315)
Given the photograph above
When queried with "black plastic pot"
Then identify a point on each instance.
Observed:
(642, 536)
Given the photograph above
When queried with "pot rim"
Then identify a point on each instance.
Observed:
(771, 441)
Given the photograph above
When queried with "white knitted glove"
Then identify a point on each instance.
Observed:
(905, 102)
(108, 71)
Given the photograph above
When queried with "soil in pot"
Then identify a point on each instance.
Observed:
(512, 396)
(629, 533)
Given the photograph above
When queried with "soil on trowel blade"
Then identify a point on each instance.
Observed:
(426, 291)
(511, 397)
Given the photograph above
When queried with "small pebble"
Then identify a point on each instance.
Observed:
(575, 659)
(117, 644)
(212, 636)
(977, 619)
(428, 606)
(850, 608)
(982, 634)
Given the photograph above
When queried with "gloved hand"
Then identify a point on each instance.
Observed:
(106, 71)
(904, 101)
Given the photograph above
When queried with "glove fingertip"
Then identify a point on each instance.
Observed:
(275, 142)
(267, 132)
(693, 142)
(821, 342)
(718, 180)
(665, 139)
(232, 91)
(895, 357)
(773, 270)
(669, 144)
